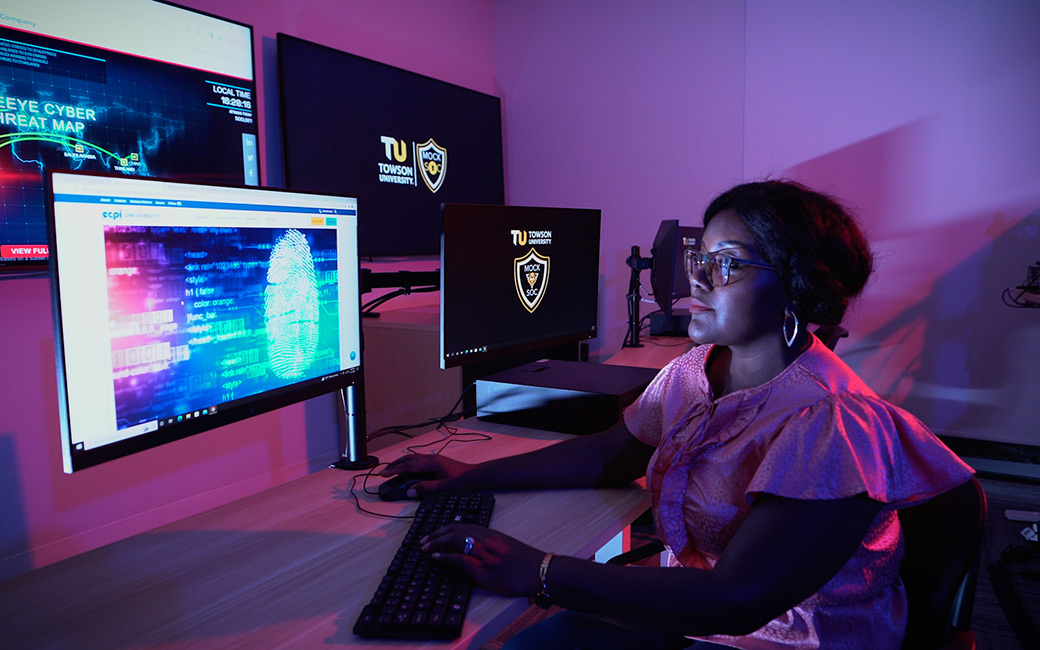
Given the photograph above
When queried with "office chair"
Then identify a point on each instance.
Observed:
(943, 538)
(830, 334)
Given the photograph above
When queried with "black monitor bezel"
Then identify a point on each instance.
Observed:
(667, 278)
(518, 349)
(367, 250)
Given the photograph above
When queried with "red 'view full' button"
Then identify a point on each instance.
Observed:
(23, 250)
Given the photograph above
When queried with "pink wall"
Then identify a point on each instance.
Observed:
(46, 515)
(923, 115)
(632, 108)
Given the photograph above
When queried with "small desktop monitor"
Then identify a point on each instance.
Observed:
(405, 143)
(181, 307)
(134, 87)
(516, 279)
(667, 275)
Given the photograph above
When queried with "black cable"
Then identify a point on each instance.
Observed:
(442, 423)
(451, 413)
(1016, 300)
(375, 302)
(1008, 299)
(1029, 286)
(404, 291)
(364, 487)
(453, 437)
(392, 431)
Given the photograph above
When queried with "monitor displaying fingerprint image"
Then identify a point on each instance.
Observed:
(200, 316)
(181, 307)
(292, 308)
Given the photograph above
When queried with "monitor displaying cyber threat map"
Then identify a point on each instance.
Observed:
(162, 92)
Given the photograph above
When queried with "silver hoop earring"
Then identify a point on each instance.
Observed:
(789, 338)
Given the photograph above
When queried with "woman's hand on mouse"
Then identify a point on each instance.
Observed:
(444, 473)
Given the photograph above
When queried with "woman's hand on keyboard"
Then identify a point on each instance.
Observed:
(495, 561)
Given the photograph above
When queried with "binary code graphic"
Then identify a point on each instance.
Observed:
(291, 306)
(203, 316)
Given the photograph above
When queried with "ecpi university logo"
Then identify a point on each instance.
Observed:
(531, 277)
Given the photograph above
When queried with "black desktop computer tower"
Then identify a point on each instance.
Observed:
(564, 396)
(674, 325)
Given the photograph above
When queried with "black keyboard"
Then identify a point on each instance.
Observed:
(418, 598)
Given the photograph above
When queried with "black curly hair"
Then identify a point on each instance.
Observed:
(811, 239)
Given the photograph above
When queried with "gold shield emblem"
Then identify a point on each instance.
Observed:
(531, 277)
(433, 164)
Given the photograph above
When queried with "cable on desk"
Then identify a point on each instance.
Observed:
(1031, 285)
(364, 487)
(441, 422)
(453, 436)
(1011, 299)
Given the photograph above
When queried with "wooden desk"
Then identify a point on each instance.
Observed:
(290, 567)
(655, 352)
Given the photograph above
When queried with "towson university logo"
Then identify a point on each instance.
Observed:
(429, 161)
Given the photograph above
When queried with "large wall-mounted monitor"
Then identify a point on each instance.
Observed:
(181, 307)
(134, 87)
(402, 142)
(515, 279)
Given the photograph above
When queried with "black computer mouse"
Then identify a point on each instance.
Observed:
(396, 487)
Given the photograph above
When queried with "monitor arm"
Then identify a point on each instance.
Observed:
(637, 264)
(406, 282)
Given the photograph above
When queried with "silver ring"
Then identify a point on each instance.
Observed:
(468, 545)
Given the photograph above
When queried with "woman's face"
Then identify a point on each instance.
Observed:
(749, 309)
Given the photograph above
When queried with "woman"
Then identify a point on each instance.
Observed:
(775, 471)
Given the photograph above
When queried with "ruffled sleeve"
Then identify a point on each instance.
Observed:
(849, 444)
(666, 402)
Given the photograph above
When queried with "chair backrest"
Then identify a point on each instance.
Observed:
(830, 334)
(943, 538)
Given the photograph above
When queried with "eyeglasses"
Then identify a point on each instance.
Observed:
(715, 266)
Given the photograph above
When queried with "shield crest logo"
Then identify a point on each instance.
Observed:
(433, 164)
(531, 277)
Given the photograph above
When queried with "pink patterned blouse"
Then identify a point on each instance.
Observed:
(815, 431)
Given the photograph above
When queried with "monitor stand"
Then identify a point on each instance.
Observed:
(564, 396)
(355, 447)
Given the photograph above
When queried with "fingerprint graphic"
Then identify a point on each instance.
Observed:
(291, 306)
